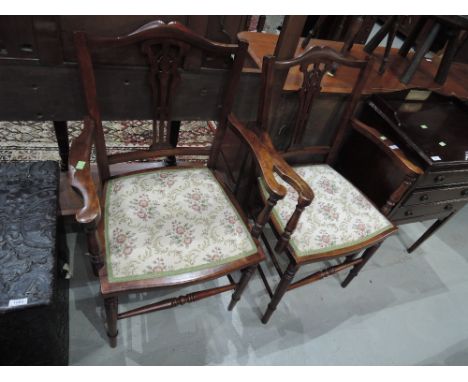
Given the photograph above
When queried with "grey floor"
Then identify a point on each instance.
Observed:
(402, 310)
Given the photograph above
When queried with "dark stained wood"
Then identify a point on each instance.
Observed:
(454, 25)
(426, 132)
(289, 36)
(281, 289)
(200, 26)
(49, 45)
(263, 44)
(312, 64)
(449, 55)
(368, 253)
(176, 301)
(166, 46)
(324, 273)
(81, 178)
(246, 275)
(389, 28)
(61, 134)
(431, 230)
(351, 37)
(97, 260)
(111, 305)
(54, 93)
(420, 53)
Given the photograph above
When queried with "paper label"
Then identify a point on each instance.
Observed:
(436, 158)
(80, 165)
(418, 95)
(18, 302)
(383, 137)
(442, 143)
(424, 126)
(393, 147)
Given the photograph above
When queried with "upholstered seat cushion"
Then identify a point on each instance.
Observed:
(338, 217)
(169, 222)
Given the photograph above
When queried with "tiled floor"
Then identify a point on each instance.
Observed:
(402, 310)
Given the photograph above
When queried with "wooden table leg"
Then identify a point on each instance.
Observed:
(379, 36)
(411, 39)
(173, 139)
(391, 36)
(433, 228)
(448, 57)
(419, 55)
(353, 30)
(61, 133)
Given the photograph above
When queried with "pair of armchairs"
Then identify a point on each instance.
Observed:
(180, 225)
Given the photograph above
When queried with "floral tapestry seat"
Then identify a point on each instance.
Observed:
(339, 216)
(169, 222)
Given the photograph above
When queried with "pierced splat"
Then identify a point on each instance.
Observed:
(310, 88)
(165, 59)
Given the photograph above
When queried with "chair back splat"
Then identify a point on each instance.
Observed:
(313, 65)
(339, 222)
(164, 48)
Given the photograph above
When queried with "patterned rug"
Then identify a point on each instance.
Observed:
(26, 140)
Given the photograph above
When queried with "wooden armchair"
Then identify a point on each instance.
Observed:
(176, 225)
(340, 221)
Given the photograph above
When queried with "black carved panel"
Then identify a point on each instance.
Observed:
(33, 298)
(28, 214)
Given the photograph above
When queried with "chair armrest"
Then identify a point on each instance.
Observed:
(79, 174)
(387, 147)
(270, 162)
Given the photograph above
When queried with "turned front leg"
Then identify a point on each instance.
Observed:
(111, 305)
(93, 249)
(287, 278)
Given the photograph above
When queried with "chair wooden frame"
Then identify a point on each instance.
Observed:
(164, 45)
(313, 64)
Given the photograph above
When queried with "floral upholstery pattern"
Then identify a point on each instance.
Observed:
(169, 222)
(338, 217)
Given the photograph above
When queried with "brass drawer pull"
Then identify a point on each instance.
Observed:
(409, 213)
(439, 178)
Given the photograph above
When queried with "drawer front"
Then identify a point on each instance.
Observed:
(422, 210)
(442, 178)
(437, 195)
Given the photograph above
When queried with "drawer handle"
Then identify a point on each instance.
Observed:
(464, 192)
(439, 178)
(409, 213)
(424, 197)
(448, 207)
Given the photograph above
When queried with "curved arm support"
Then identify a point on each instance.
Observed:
(79, 173)
(270, 161)
(387, 146)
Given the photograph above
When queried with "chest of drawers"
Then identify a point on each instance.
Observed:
(432, 131)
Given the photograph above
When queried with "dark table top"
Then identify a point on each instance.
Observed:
(435, 125)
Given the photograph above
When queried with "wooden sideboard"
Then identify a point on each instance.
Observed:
(431, 131)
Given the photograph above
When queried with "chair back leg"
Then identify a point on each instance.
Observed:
(247, 274)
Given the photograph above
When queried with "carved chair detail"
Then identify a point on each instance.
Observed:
(177, 225)
(339, 221)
